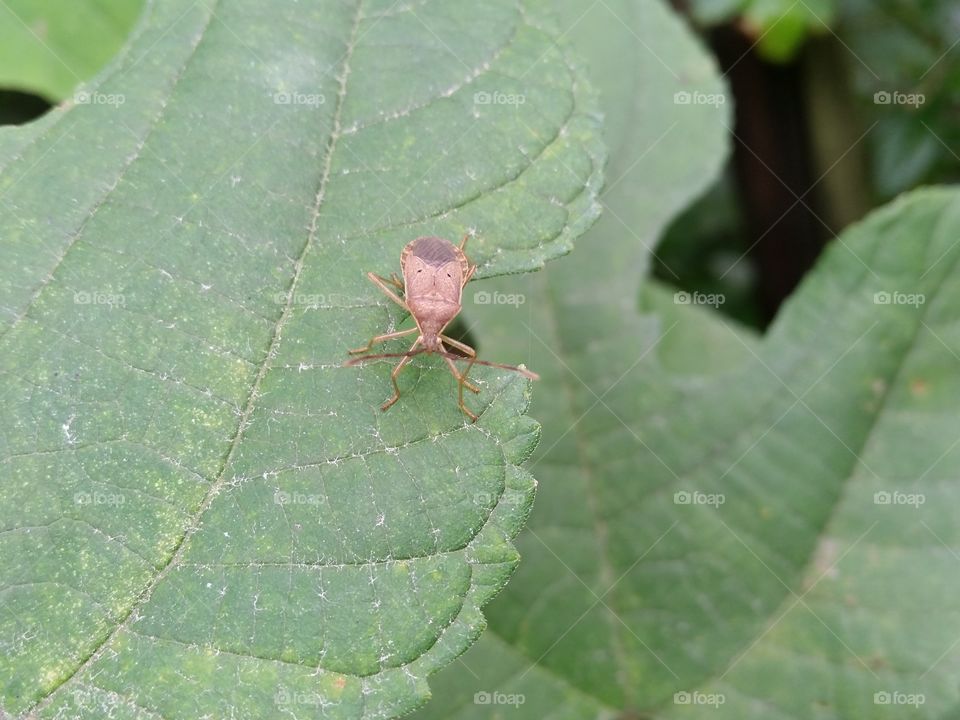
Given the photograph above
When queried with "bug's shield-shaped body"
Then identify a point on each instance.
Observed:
(434, 273)
(433, 277)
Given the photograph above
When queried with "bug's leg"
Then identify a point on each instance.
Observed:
(395, 281)
(466, 372)
(470, 353)
(473, 268)
(393, 377)
(461, 381)
(459, 345)
(382, 338)
(382, 284)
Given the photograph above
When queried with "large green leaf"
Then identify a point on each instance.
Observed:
(203, 514)
(665, 118)
(49, 46)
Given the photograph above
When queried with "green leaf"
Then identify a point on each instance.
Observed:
(778, 27)
(203, 514)
(781, 26)
(665, 118)
(48, 47)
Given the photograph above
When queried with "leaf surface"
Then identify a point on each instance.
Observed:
(203, 514)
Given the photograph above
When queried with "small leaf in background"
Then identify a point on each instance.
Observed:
(777, 27)
(47, 47)
(780, 27)
(203, 513)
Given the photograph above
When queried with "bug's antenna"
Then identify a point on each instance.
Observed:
(473, 361)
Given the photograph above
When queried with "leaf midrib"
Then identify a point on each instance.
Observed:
(221, 477)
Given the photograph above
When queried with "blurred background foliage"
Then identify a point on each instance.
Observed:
(840, 105)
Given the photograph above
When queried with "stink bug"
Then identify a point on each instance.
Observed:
(434, 274)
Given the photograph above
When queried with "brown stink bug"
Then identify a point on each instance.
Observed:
(434, 274)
